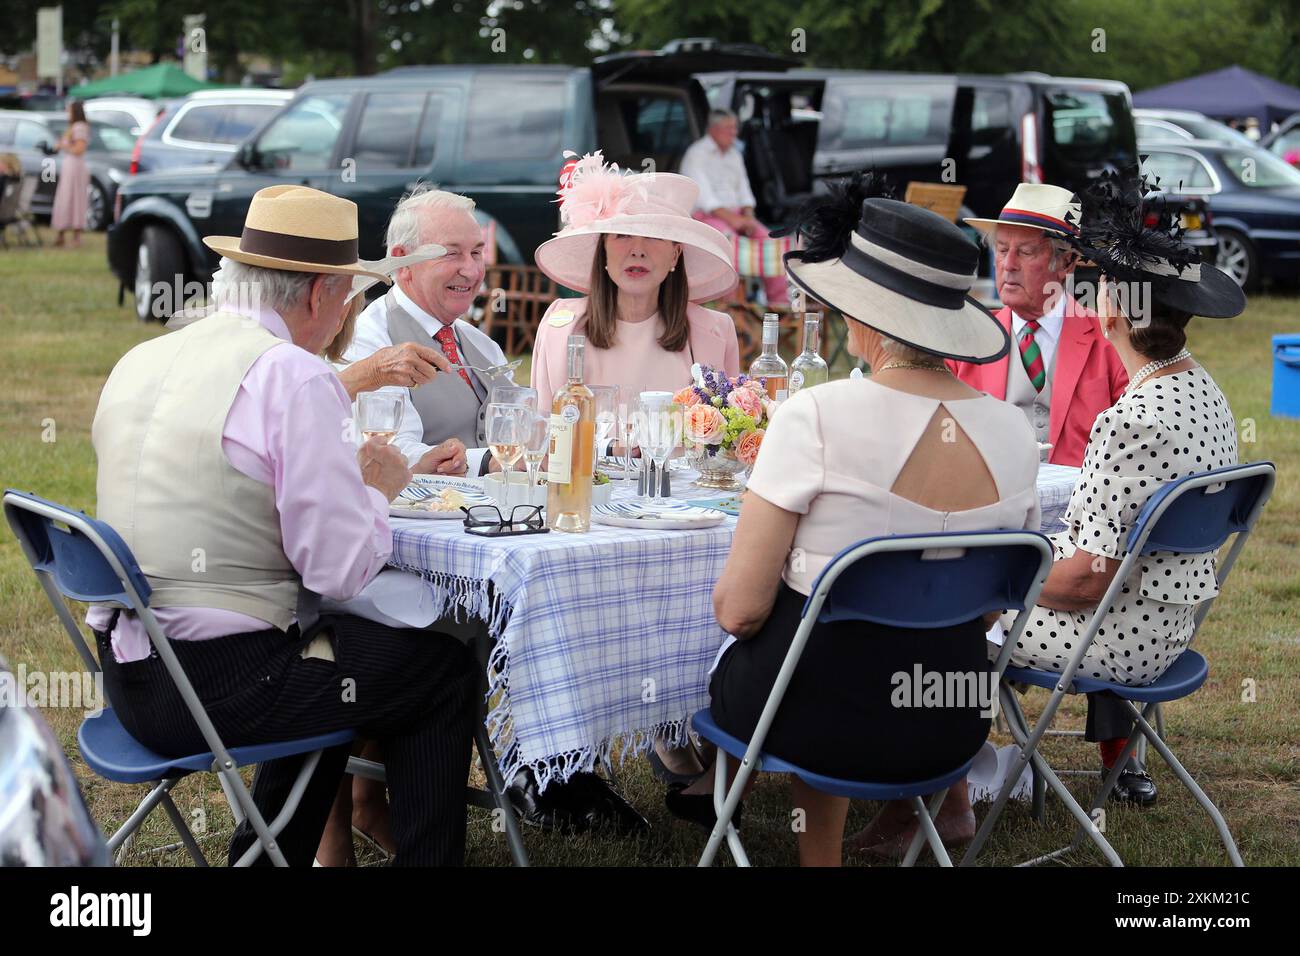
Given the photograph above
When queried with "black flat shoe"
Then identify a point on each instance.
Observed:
(582, 803)
(1134, 786)
(661, 772)
(697, 808)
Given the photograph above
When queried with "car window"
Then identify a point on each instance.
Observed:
(865, 115)
(1159, 132)
(427, 139)
(198, 124)
(389, 122)
(990, 118)
(116, 118)
(503, 124)
(303, 137)
(240, 120)
(1259, 169)
(1177, 171)
(29, 134)
(659, 124)
(1086, 123)
(112, 138)
(1284, 144)
(1215, 131)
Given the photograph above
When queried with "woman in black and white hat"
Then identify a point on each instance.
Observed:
(909, 450)
(1172, 421)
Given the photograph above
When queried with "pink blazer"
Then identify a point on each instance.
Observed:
(712, 342)
(1089, 378)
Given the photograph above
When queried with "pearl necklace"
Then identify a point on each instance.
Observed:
(1151, 367)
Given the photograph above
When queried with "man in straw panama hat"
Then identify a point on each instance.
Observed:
(227, 464)
(1061, 372)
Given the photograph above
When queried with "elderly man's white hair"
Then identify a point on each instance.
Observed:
(404, 227)
(238, 283)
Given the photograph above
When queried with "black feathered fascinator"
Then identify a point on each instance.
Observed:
(1131, 234)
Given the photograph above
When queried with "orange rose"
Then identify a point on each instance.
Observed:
(748, 446)
(687, 397)
(704, 424)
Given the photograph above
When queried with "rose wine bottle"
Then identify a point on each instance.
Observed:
(809, 368)
(769, 366)
(573, 438)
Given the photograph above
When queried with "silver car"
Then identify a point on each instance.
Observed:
(205, 127)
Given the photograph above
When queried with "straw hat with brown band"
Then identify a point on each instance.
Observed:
(297, 229)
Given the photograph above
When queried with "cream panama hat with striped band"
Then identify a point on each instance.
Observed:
(1038, 206)
(297, 229)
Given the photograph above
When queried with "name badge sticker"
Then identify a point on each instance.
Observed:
(560, 318)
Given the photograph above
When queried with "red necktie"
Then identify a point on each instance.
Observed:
(447, 339)
(1031, 356)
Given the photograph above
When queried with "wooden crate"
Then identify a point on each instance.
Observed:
(943, 199)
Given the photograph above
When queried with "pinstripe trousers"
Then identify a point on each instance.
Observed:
(412, 690)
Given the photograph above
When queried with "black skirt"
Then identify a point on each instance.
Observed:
(862, 703)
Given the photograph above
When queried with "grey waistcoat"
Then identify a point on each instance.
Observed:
(1037, 406)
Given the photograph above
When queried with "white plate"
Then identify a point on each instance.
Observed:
(664, 515)
(407, 503)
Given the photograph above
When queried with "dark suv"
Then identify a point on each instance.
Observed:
(494, 133)
(987, 133)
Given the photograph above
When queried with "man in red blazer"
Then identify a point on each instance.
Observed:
(1060, 371)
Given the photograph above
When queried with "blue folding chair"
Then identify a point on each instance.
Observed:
(79, 558)
(914, 581)
(1194, 515)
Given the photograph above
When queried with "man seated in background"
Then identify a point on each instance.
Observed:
(726, 201)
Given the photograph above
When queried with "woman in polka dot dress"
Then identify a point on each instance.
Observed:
(1172, 421)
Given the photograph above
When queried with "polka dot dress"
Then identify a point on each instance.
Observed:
(1167, 428)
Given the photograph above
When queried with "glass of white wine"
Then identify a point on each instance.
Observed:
(661, 433)
(506, 427)
(537, 442)
(379, 413)
(513, 395)
(606, 406)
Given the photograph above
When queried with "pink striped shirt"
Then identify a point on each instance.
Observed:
(284, 429)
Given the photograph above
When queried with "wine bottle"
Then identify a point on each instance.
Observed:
(573, 436)
(809, 368)
(769, 366)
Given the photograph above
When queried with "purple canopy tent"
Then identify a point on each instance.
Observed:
(1233, 92)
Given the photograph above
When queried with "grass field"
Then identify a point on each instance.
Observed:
(63, 332)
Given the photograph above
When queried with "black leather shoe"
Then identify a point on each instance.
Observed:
(1134, 786)
(584, 802)
(697, 808)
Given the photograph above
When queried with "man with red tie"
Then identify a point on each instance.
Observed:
(1062, 372)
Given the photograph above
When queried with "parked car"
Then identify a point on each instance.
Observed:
(135, 114)
(467, 128)
(43, 819)
(1255, 198)
(1156, 126)
(204, 128)
(32, 136)
(1285, 139)
(988, 133)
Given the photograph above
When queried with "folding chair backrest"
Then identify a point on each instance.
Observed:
(1199, 513)
(933, 580)
(73, 549)
(27, 192)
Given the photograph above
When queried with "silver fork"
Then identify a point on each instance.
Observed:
(491, 370)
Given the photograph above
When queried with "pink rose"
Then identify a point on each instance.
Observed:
(704, 424)
(747, 401)
(687, 397)
(748, 446)
(755, 386)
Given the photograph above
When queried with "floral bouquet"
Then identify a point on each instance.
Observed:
(725, 421)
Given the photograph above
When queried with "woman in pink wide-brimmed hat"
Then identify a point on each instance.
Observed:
(629, 243)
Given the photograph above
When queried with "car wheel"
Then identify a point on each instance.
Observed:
(1237, 258)
(158, 270)
(96, 207)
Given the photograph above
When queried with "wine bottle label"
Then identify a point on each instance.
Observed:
(796, 380)
(560, 461)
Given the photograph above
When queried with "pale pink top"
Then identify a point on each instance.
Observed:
(282, 430)
(832, 453)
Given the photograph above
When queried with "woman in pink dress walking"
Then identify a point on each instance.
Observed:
(74, 178)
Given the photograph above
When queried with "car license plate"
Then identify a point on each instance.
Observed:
(1190, 220)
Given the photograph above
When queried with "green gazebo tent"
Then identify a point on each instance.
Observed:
(157, 82)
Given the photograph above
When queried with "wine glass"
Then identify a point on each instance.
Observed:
(379, 413)
(662, 433)
(537, 440)
(605, 408)
(513, 395)
(506, 427)
(629, 397)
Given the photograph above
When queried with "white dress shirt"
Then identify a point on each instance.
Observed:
(371, 335)
(1049, 330)
(723, 181)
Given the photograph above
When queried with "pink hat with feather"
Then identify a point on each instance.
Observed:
(597, 199)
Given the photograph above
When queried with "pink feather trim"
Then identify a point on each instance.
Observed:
(595, 190)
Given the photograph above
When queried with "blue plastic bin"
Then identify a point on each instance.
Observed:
(1286, 375)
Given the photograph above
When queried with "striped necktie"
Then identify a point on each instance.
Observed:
(1032, 357)
(447, 339)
